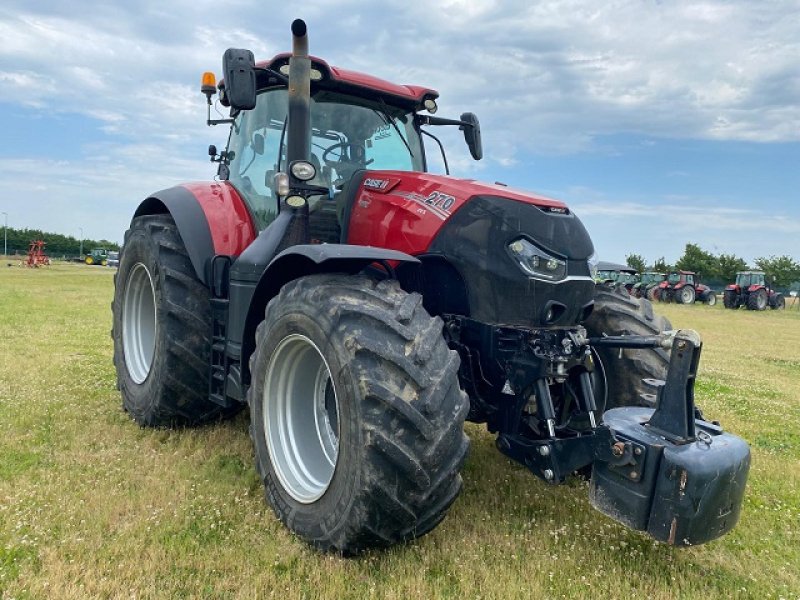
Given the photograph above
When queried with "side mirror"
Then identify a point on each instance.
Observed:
(472, 135)
(238, 68)
(258, 144)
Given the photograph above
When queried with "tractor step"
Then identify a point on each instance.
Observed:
(223, 388)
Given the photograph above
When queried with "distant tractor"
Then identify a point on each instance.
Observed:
(616, 273)
(98, 256)
(647, 285)
(753, 291)
(684, 287)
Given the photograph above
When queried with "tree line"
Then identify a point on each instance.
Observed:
(56, 244)
(783, 271)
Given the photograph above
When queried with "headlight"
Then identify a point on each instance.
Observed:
(303, 170)
(592, 261)
(281, 184)
(536, 262)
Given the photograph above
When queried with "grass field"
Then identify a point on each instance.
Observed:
(91, 505)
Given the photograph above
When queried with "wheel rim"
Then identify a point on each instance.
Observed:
(301, 418)
(686, 295)
(139, 323)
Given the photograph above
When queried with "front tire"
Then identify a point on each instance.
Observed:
(620, 374)
(758, 300)
(161, 329)
(729, 299)
(711, 299)
(356, 413)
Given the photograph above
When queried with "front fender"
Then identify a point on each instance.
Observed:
(293, 263)
(211, 219)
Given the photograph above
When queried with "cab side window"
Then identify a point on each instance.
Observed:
(255, 142)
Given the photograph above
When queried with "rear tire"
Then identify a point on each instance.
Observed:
(161, 329)
(686, 295)
(619, 377)
(779, 304)
(390, 470)
(758, 300)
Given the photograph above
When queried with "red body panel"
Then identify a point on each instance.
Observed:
(405, 210)
(231, 227)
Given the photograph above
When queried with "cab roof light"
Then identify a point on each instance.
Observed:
(208, 84)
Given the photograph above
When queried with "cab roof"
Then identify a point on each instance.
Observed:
(359, 83)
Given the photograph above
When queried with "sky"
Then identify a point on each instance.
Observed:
(660, 123)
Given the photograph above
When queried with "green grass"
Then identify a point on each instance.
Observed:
(91, 505)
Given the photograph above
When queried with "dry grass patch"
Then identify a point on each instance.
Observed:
(91, 505)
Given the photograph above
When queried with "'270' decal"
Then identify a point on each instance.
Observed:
(436, 203)
(441, 201)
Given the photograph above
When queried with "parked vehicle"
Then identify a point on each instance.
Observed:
(647, 284)
(363, 308)
(624, 275)
(98, 256)
(753, 291)
(684, 287)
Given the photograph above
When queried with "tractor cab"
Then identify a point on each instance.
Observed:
(747, 279)
(356, 122)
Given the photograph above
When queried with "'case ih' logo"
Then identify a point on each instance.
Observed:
(376, 184)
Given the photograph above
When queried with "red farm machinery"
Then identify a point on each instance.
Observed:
(684, 287)
(36, 255)
(362, 308)
(753, 291)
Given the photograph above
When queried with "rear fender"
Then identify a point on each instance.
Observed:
(293, 263)
(211, 219)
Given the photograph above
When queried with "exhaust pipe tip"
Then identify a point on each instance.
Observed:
(299, 28)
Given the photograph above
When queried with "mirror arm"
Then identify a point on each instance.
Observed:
(429, 120)
(441, 148)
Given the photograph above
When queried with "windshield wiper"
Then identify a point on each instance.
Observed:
(389, 120)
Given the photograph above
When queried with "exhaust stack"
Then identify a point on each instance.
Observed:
(298, 137)
(298, 144)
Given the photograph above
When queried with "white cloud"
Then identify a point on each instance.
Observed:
(546, 77)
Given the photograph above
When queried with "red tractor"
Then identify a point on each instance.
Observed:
(362, 308)
(684, 287)
(753, 291)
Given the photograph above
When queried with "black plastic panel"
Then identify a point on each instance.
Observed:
(191, 222)
(475, 241)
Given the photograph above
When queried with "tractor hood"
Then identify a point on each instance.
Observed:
(521, 258)
(420, 204)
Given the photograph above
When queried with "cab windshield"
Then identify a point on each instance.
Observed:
(651, 277)
(674, 278)
(748, 279)
(348, 134)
